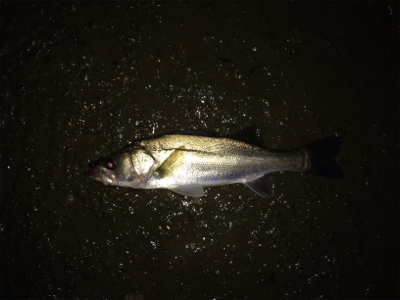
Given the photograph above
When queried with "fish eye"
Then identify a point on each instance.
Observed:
(110, 163)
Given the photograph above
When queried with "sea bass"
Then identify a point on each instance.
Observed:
(186, 162)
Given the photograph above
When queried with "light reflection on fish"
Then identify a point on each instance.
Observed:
(186, 162)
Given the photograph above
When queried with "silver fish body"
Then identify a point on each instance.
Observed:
(189, 161)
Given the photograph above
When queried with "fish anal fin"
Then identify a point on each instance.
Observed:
(192, 190)
(262, 186)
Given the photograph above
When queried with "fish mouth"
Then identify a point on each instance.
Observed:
(99, 174)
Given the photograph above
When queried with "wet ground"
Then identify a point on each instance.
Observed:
(80, 80)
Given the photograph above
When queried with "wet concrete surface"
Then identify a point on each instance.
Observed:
(80, 80)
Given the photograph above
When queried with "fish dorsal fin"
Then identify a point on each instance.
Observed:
(191, 190)
(262, 186)
(198, 132)
(248, 135)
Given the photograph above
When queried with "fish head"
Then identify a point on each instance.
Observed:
(110, 170)
(128, 167)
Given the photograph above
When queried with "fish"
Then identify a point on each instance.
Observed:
(187, 162)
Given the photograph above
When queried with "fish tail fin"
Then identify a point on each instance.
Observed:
(321, 158)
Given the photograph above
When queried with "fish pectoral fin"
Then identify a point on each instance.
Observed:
(173, 161)
(192, 190)
(262, 186)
